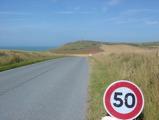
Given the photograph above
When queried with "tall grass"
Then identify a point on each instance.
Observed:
(141, 68)
(12, 59)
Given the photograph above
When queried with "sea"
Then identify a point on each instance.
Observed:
(28, 48)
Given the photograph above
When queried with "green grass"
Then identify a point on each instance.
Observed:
(12, 59)
(79, 47)
(142, 69)
(23, 63)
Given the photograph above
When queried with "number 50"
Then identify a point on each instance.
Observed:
(121, 102)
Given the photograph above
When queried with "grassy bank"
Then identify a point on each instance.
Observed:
(12, 59)
(125, 62)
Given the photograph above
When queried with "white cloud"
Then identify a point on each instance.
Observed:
(77, 8)
(73, 12)
(13, 13)
(65, 12)
(132, 12)
(114, 2)
(148, 16)
(54, 1)
(105, 9)
(152, 22)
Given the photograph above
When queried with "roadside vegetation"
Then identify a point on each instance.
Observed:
(110, 62)
(11, 59)
(125, 62)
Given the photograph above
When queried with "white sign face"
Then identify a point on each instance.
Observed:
(123, 100)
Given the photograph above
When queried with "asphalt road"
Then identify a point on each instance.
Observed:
(51, 90)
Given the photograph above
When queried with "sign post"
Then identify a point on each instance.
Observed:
(123, 100)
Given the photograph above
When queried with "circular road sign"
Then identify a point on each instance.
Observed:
(123, 100)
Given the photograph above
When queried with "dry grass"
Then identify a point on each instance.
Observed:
(11, 59)
(140, 65)
(118, 49)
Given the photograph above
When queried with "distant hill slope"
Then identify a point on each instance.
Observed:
(150, 44)
(80, 47)
(87, 47)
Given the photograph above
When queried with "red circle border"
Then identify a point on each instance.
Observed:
(140, 100)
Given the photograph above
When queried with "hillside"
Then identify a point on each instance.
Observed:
(87, 47)
(150, 44)
(79, 47)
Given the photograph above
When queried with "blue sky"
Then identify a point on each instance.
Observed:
(54, 22)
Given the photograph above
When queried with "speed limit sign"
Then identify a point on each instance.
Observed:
(123, 100)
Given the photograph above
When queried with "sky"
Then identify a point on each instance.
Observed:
(55, 22)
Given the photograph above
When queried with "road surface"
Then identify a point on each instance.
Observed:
(51, 90)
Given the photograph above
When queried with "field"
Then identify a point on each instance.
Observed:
(11, 59)
(117, 62)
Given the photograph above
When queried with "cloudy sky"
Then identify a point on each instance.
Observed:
(54, 22)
